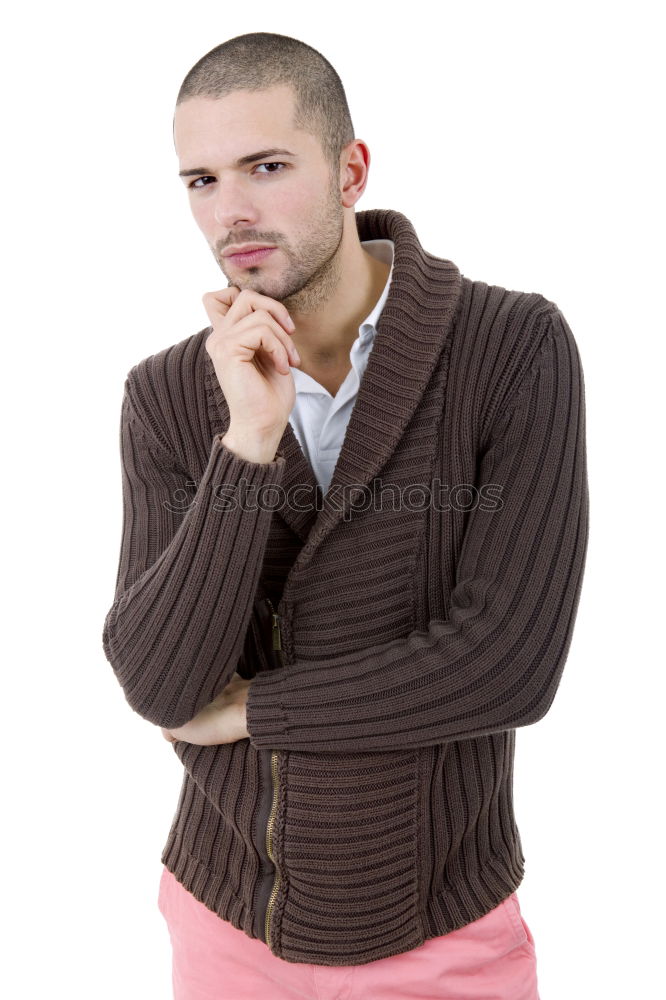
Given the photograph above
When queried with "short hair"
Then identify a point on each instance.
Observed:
(262, 59)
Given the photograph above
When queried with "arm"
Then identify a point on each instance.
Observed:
(496, 661)
(187, 574)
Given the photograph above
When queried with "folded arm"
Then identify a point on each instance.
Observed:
(496, 660)
(188, 571)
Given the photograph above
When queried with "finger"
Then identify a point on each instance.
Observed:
(261, 316)
(250, 301)
(255, 335)
(215, 303)
(262, 344)
(237, 678)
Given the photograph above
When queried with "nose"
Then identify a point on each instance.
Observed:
(232, 207)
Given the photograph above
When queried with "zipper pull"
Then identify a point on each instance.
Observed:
(277, 638)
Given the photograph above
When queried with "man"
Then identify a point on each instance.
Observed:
(356, 518)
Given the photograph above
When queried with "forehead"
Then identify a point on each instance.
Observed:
(224, 126)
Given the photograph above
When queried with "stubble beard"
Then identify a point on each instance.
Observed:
(315, 275)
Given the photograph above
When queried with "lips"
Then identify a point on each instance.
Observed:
(250, 258)
(247, 248)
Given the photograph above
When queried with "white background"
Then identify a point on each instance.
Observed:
(522, 141)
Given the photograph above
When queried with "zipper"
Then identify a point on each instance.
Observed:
(276, 637)
(277, 661)
(269, 844)
(265, 877)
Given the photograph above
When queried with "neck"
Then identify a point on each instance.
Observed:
(324, 337)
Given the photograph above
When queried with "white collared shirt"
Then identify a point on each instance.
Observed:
(320, 420)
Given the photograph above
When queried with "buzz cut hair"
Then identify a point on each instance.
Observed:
(262, 59)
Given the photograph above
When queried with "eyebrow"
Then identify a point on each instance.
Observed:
(241, 162)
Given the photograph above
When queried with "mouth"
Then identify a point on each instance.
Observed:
(249, 257)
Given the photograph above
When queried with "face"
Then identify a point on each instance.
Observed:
(288, 200)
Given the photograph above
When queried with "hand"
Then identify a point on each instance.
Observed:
(222, 721)
(251, 349)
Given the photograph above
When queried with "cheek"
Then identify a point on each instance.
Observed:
(289, 201)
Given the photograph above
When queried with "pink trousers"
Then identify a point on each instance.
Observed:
(492, 958)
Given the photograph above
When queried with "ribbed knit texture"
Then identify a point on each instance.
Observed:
(416, 639)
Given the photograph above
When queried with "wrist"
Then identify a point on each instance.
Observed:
(256, 447)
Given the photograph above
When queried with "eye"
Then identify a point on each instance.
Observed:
(271, 165)
(193, 184)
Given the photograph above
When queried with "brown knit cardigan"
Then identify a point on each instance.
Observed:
(399, 630)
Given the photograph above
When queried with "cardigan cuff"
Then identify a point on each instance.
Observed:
(266, 719)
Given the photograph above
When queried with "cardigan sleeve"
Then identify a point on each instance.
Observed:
(495, 661)
(189, 567)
